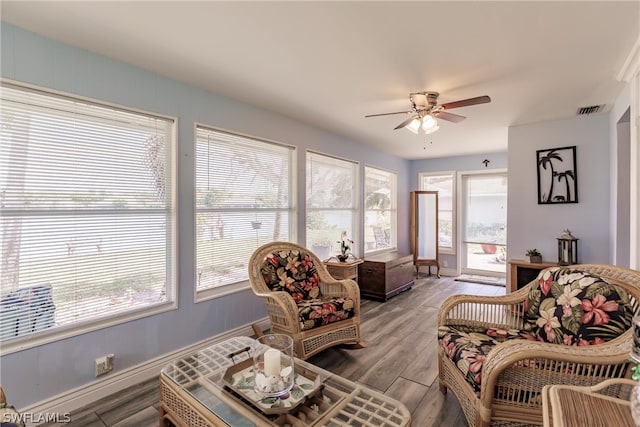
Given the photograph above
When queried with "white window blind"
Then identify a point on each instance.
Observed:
(243, 200)
(380, 199)
(331, 203)
(444, 184)
(87, 215)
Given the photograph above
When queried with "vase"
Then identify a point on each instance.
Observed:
(489, 248)
(342, 258)
(273, 364)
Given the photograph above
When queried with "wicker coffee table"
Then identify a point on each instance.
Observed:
(193, 394)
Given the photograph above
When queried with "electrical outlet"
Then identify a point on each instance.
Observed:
(445, 263)
(104, 364)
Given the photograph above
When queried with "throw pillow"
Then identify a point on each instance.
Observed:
(573, 307)
(292, 272)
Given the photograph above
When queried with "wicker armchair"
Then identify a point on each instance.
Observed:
(514, 371)
(303, 300)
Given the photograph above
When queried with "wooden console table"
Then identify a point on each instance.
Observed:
(522, 272)
(193, 394)
(344, 270)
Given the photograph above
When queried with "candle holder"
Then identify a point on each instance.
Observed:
(273, 364)
(567, 248)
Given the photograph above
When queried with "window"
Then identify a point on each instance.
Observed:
(243, 200)
(443, 183)
(380, 200)
(331, 203)
(87, 218)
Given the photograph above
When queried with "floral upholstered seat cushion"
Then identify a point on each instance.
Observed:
(9, 417)
(293, 272)
(467, 347)
(320, 312)
(572, 307)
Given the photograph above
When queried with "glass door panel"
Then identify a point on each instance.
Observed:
(484, 224)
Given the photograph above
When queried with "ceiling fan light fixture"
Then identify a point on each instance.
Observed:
(419, 99)
(414, 126)
(429, 124)
(432, 130)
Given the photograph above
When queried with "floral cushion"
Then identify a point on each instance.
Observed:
(319, 312)
(467, 347)
(9, 417)
(293, 272)
(573, 307)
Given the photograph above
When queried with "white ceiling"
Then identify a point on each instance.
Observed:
(331, 63)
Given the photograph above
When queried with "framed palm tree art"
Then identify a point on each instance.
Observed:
(557, 176)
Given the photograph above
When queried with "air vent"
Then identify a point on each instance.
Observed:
(583, 111)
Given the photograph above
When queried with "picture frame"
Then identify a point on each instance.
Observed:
(557, 176)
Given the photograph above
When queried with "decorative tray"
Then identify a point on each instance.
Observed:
(239, 380)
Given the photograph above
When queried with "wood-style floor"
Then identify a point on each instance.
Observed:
(400, 360)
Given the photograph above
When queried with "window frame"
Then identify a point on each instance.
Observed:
(393, 209)
(454, 223)
(59, 333)
(207, 294)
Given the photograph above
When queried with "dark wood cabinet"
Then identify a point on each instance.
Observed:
(385, 275)
(522, 272)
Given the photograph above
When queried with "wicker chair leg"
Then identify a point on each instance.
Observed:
(257, 330)
(483, 416)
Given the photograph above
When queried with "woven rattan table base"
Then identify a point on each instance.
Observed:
(192, 394)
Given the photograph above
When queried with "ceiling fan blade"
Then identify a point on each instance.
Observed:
(405, 123)
(466, 102)
(388, 114)
(455, 118)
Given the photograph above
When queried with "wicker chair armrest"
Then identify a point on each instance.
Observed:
(505, 311)
(554, 358)
(346, 288)
(283, 305)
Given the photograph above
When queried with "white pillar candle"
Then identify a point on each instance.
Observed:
(272, 362)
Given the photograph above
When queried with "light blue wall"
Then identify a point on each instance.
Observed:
(42, 372)
(473, 162)
(537, 226)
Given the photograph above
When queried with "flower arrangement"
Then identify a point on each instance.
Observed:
(345, 246)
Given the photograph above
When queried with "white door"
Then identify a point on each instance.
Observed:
(483, 245)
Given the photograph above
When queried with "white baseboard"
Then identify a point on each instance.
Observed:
(79, 397)
(449, 272)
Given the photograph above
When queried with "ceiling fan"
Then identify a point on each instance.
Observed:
(425, 110)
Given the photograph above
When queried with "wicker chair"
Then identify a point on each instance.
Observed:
(9, 417)
(286, 307)
(515, 370)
